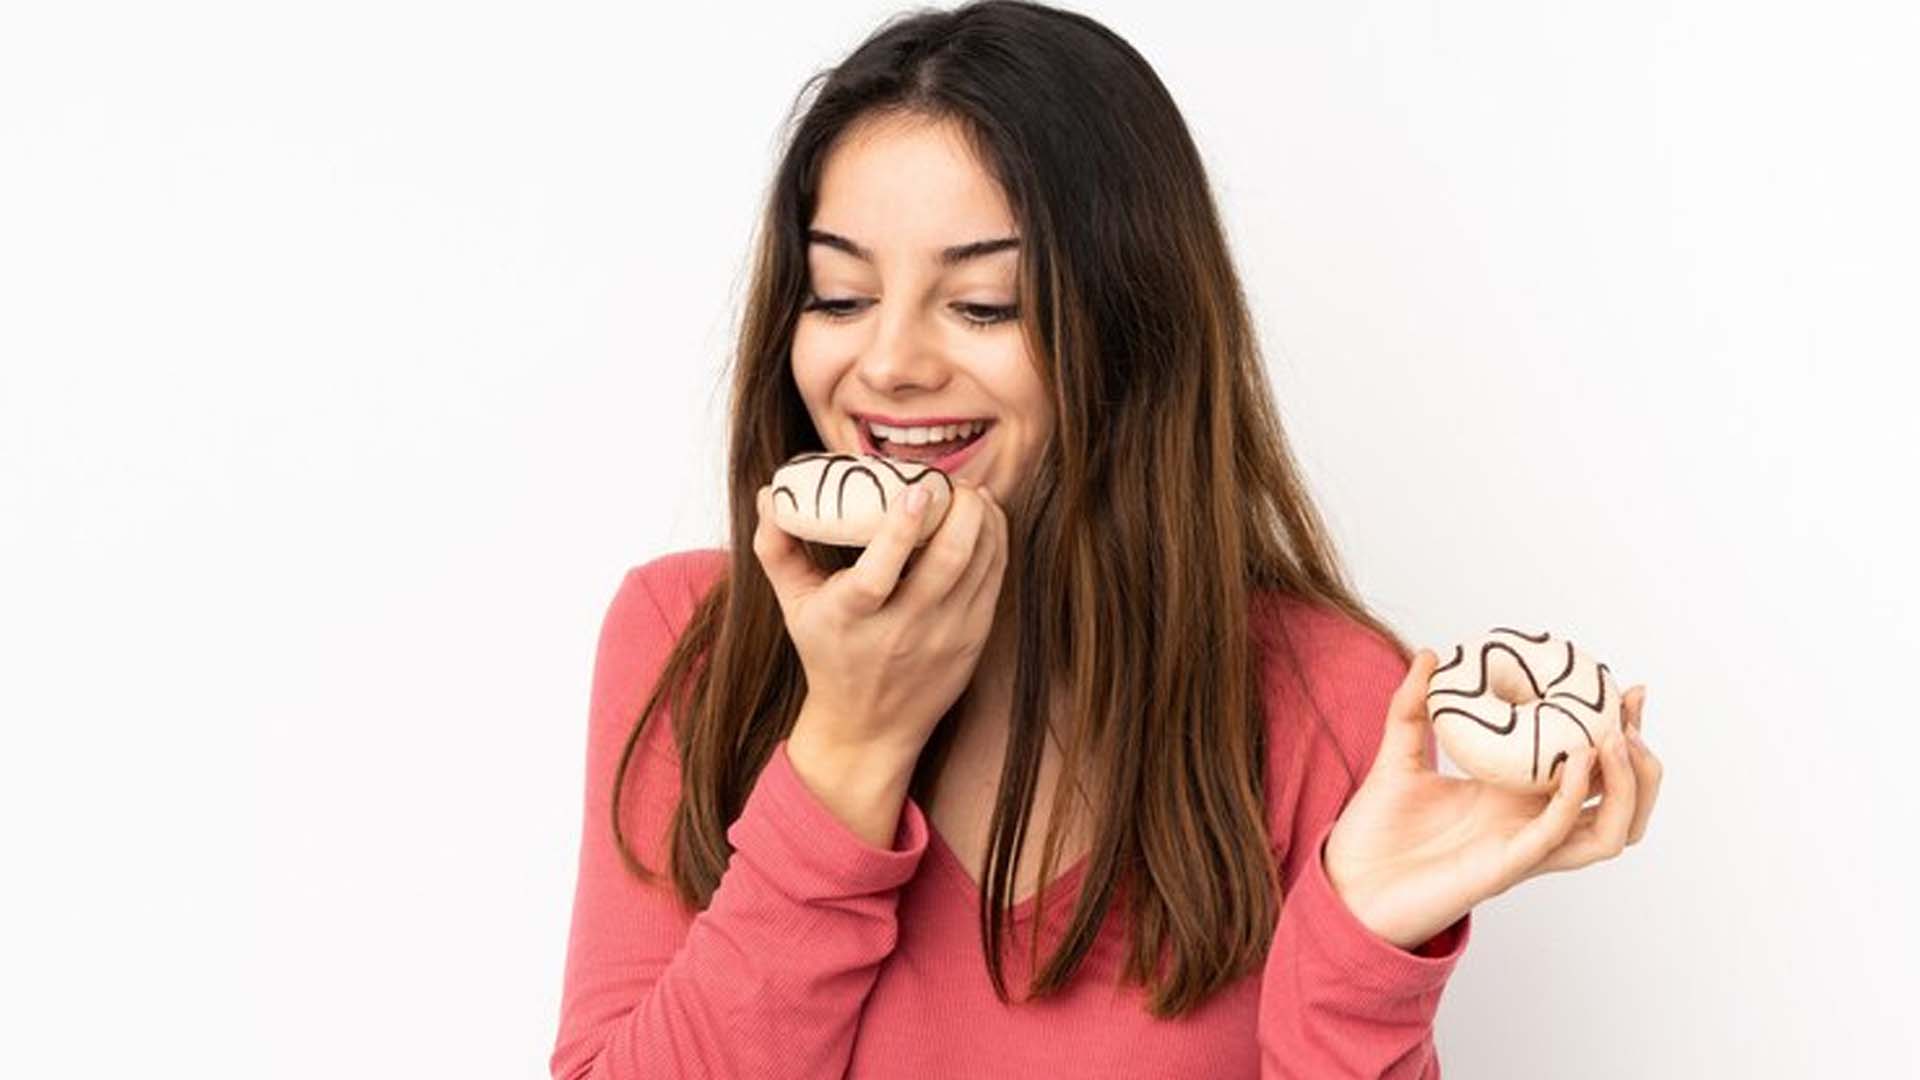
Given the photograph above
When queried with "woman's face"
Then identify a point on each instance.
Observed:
(906, 333)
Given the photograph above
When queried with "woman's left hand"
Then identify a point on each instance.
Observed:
(1414, 850)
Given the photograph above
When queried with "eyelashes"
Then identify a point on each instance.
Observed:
(976, 316)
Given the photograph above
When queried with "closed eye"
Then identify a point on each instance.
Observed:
(978, 316)
(832, 309)
(988, 314)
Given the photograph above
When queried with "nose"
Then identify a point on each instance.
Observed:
(902, 353)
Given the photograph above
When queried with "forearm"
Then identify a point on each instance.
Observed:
(768, 980)
(1339, 1001)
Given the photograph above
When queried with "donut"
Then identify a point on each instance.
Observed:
(1510, 707)
(842, 499)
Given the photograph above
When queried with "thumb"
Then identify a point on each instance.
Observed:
(1408, 739)
(787, 566)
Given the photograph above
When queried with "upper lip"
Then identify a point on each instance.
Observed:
(929, 421)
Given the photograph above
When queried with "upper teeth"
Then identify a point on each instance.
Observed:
(916, 435)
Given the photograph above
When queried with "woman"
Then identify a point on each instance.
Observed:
(812, 770)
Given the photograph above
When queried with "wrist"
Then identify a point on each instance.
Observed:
(816, 731)
(864, 791)
(1376, 900)
(849, 773)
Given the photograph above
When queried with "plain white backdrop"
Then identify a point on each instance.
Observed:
(351, 352)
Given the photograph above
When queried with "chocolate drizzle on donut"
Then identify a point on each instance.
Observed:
(840, 510)
(925, 470)
(1482, 688)
(820, 489)
(1513, 716)
(1564, 672)
(1600, 695)
(862, 466)
(1541, 698)
(1562, 756)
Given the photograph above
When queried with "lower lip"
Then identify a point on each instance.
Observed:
(947, 464)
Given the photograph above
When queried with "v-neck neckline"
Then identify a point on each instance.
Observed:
(1059, 890)
(1064, 886)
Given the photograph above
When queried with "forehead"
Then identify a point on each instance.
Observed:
(908, 186)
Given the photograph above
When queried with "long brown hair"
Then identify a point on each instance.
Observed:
(1166, 504)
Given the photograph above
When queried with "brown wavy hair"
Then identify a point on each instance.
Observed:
(1131, 593)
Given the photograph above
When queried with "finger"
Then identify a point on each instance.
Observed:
(1630, 707)
(1605, 832)
(1623, 793)
(876, 573)
(1408, 739)
(1647, 772)
(983, 580)
(1549, 828)
(967, 588)
(948, 555)
(787, 567)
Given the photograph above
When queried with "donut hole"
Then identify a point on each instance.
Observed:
(1507, 681)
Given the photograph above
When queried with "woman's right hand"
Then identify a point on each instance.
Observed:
(886, 658)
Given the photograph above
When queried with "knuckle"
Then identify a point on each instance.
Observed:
(949, 559)
(862, 593)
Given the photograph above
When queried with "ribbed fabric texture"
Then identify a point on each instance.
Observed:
(823, 956)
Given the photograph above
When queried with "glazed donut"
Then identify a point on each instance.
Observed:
(842, 499)
(1510, 707)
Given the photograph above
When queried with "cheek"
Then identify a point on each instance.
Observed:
(810, 367)
(1020, 386)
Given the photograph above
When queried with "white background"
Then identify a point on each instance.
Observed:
(342, 345)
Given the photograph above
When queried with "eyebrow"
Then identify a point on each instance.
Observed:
(952, 256)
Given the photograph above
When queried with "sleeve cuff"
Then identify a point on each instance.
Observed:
(1367, 958)
(808, 853)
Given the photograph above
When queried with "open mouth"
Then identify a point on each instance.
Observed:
(930, 453)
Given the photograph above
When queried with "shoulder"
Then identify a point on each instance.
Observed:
(660, 594)
(652, 606)
(1325, 670)
(649, 610)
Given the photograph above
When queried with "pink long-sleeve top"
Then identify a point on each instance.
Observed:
(821, 955)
